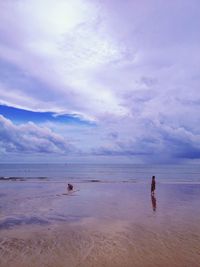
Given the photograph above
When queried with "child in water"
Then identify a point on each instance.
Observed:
(70, 187)
(153, 185)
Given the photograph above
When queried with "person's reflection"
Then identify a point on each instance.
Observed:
(153, 201)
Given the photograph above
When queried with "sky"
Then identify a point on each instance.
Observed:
(100, 81)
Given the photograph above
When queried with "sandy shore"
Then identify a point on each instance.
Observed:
(99, 225)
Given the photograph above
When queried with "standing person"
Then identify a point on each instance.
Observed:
(153, 185)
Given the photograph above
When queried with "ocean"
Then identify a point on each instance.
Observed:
(101, 172)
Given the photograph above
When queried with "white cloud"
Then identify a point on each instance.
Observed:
(132, 66)
(60, 43)
(91, 56)
(30, 138)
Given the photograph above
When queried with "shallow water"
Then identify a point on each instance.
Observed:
(100, 224)
(100, 172)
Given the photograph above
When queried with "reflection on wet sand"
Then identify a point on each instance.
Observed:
(153, 201)
(110, 226)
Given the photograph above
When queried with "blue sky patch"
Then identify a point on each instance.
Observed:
(21, 116)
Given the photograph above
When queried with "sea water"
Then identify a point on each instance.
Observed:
(102, 172)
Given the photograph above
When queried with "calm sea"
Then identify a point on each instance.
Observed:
(101, 172)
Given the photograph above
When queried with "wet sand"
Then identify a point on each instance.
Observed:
(116, 224)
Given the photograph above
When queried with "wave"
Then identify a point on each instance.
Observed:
(22, 179)
(107, 181)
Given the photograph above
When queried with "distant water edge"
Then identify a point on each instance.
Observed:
(107, 173)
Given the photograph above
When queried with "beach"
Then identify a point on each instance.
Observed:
(99, 224)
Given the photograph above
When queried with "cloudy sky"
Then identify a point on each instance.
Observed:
(100, 81)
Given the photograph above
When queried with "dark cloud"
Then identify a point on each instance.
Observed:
(155, 142)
